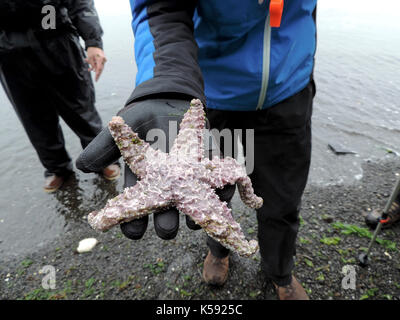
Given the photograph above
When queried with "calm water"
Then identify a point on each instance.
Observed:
(357, 105)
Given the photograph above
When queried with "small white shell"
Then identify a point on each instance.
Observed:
(86, 245)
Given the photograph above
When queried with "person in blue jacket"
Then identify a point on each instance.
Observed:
(250, 76)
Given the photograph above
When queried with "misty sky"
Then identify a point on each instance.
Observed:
(389, 8)
(113, 7)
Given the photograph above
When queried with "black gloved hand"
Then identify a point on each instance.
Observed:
(142, 117)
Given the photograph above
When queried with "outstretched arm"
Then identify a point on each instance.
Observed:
(165, 50)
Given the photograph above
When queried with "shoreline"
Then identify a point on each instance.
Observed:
(155, 269)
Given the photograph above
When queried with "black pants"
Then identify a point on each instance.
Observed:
(45, 81)
(282, 153)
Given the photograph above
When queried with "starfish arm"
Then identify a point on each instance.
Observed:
(135, 202)
(189, 142)
(214, 216)
(221, 172)
(133, 149)
(246, 193)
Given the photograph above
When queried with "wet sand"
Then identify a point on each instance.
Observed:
(151, 268)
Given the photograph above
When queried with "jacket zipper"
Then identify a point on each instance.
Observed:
(266, 62)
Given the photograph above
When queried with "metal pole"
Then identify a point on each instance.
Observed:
(363, 258)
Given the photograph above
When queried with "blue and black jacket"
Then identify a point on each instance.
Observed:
(223, 52)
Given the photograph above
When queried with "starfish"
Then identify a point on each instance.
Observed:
(182, 178)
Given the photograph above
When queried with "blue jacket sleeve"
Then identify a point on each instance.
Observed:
(165, 50)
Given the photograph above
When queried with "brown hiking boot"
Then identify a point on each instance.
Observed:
(372, 219)
(293, 291)
(53, 183)
(111, 172)
(215, 270)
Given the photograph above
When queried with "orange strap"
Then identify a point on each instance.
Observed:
(275, 12)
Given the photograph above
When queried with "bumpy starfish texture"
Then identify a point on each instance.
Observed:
(184, 178)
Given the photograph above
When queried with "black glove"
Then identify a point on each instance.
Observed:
(142, 116)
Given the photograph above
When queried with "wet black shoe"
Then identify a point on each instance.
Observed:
(372, 219)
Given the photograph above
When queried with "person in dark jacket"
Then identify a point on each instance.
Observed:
(45, 74)
(250, 75)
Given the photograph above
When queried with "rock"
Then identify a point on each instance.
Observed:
(86, 245)
(327, 218)
(339, 149)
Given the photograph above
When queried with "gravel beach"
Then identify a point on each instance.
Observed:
(332, 235)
